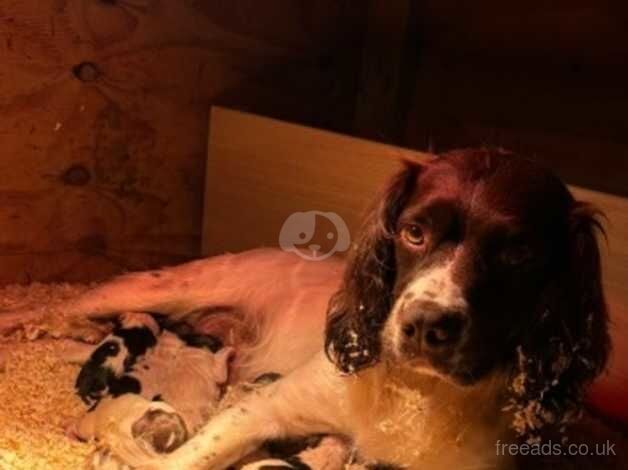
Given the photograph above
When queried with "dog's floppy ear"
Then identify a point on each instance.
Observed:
(358, 310)
(570, 344)
(590, 326)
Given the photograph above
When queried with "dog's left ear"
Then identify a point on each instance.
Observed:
(570, 345)
(358, 310)
(590, 323)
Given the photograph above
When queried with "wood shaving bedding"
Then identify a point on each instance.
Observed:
(37, 398)
(37, 401)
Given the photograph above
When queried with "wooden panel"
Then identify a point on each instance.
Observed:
(261, 170)
(104, 117)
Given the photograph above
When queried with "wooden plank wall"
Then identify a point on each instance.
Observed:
(545, 78)
(103, 117)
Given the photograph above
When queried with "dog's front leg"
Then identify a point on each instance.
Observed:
(311, 400)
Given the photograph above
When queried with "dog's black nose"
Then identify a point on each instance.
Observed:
(444, 331)
(438, 333)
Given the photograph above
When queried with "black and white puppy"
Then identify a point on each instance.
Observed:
(107, 368)
(113, 369)
(150, 389)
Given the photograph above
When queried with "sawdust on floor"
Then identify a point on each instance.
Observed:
(37, 398)
(37, 401)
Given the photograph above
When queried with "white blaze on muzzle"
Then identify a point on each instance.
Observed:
(434, 289)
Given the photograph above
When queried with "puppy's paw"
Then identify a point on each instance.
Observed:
(104, 460)
(71, 430)
(164, 431)
(291, 463)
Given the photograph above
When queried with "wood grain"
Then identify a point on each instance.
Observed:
(104, 117)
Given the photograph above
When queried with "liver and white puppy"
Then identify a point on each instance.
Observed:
(474, 286)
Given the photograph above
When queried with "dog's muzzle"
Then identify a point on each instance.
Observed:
(434, 335)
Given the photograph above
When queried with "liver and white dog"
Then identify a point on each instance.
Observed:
(473, 288)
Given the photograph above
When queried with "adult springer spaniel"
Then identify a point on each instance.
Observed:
(470, 312)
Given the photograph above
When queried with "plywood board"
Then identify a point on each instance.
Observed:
(260, 171)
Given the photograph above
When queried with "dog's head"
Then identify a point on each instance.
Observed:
(477, 262)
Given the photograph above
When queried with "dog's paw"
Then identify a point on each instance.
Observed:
(291, 463)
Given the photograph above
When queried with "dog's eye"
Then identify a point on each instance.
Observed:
(516, 254)
(413, 234)
(112, 349)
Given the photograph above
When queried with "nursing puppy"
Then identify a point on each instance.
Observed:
(148, 390)
(140, 358)
(474, 286)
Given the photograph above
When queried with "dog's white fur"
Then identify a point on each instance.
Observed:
(436, 286)
(392, 413)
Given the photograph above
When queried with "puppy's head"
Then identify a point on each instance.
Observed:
(477, 262)
(115, 355)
